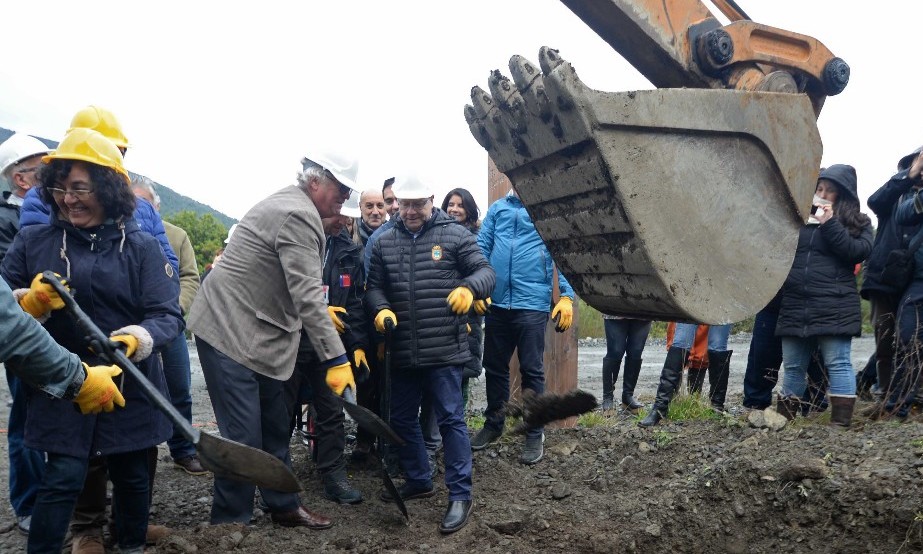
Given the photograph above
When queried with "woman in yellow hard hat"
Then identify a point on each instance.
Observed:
(126, 286)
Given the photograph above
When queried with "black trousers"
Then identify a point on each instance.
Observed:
(308, 385)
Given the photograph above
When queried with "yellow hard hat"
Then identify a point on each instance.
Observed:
(87, 145)
(102, 121)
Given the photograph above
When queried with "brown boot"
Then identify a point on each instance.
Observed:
(91, 543)
(788, 406)
(156, 533)
(841, 409)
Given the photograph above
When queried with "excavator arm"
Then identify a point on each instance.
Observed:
(676, 203)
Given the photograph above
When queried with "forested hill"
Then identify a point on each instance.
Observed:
(171, 202)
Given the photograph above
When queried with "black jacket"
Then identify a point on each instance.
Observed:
(344, 276)
(890, 235)
(819, 296)
(9, 224)
(413, 276)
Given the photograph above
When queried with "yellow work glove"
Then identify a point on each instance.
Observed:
(381, 317)
(332, 311)
(460, 300)
(339, 377)
(468, 326)
(563, 314)
(99, 393)
(361, 364)
(481, 306)
(130, 342)
(41, 298)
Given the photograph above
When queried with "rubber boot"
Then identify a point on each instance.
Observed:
(842, 407)
(610, 374)
(719, 369)
(670, 377)
(629, 381)
(695, 378)
(788, 406)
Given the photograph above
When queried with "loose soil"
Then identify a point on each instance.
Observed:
(694, 486)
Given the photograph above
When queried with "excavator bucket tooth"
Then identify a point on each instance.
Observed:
(668, 204)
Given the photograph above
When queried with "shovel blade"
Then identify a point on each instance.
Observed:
(231, 460)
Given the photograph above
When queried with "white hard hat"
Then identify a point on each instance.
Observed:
(410, 187)
(230, 232)
(343, 167)
(351, 206)
(17, 148)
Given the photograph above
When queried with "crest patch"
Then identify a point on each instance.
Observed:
(437, 253)
(169, 269)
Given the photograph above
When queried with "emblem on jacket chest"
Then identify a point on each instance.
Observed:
(437, 253)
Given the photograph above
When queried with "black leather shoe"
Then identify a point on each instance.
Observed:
(409, 492)
(653, 418)
(302, 517)
(456, 516)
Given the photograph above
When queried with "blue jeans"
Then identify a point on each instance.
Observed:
(26, 464)
(443, 385)
(835, 351)
(64, 477)
(626, 338)
(718, 335)
(176, 370)
(505, 331)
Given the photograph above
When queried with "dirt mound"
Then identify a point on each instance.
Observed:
(698, 486)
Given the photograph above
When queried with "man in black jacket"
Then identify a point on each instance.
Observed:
(343, 276)
(424, 275)
(884, 298)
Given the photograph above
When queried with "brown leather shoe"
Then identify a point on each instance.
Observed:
(88, 544)
(302, 518)
(156, 533)
(191, 465)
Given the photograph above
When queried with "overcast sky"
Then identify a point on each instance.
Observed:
(220, 100)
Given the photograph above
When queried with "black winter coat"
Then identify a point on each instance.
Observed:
(890, 235)
(344, 277)
(819, 296)
(413, 275)
(9, 224)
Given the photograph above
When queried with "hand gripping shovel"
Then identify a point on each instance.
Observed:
(225, 458)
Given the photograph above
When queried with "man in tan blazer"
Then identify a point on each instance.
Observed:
(248, 317)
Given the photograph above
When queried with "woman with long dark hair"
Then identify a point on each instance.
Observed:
(122, 281)
(820, 300)
(460, 204)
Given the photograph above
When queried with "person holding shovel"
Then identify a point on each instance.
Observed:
(124, 283)
(425, 272)
(247, 319)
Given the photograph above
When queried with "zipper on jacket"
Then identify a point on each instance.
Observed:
(512, 249)
(804, 284)
(413, 307)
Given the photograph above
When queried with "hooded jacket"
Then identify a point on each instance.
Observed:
(35, 212)
(119, 277)
(412, 275)
(819, 296)
(512, 245)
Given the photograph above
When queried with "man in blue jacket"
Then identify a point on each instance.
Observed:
(518, 315)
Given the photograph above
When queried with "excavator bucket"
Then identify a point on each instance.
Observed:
(668, 204)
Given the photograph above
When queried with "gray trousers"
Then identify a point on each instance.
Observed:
(250, 409)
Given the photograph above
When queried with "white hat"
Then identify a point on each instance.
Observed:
(343, 167)
(230, 232)
(351, 206)
(17, 148)
(410, 187)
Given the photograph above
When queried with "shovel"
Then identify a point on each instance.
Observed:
(224, 458)
(386, 414)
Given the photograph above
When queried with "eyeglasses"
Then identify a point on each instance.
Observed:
(342, 188)
(79, 194)
(28, 169)
(415, 205)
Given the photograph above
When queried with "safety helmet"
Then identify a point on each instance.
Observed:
(102, 121)
(343, 167)
(17, 148)
(410, 187)
(87, 145)
(230, 232)
(351, 206)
